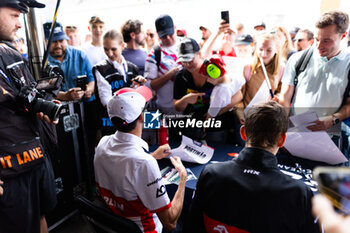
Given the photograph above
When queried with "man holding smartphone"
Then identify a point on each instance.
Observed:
(74, 64)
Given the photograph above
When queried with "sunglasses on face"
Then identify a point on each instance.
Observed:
(300, 40)
(150, 35)
(165, 36)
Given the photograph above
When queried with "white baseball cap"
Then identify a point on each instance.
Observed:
(128, 103)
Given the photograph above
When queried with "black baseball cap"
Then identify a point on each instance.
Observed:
(164, 25)
(187, 49)
(33, 4)
(21, 5)
(244, 39)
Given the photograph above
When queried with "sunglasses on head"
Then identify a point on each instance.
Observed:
(71, 27)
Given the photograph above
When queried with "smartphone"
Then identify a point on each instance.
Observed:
(81, 82)
(334, 182)
(225, 16)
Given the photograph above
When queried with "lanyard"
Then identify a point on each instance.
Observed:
(5, 76)
(125, 73)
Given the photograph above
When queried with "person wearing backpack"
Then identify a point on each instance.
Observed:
(317, 79)
(161, 65)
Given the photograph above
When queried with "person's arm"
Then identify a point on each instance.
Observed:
(208, 47)
(89, 91)
(74, 93)
(170, 216)
(326, 122)
(236, 98)
(162, 80)
(331, 221)
(239, 107)
(239, 110)
(285, 97)
(190, 98)
(161, 152)
(287, 90)
(1, 189)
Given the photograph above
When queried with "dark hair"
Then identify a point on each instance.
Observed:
(264, 124)
(310, 34)
(121, 126)
(338, 18)
(129, 27)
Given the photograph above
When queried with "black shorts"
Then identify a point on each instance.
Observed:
(27, 197)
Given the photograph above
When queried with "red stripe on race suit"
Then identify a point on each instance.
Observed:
(213, 226)
(129, 209)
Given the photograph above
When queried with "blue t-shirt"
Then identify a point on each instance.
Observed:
(136, 56)
(75, 63)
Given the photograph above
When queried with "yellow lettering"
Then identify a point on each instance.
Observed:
(8, 160)
(33, 154)
(20, 161)
(2, 162)
(26, 157)
(38, 150)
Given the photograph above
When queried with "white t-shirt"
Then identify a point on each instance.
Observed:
(94, 53)
(222, 93)
(129, 180)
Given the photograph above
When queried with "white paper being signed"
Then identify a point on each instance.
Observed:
(304, 143)
(193, 151)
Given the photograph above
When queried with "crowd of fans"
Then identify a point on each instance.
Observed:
(175, 68)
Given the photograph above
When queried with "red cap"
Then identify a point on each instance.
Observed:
(216, 60)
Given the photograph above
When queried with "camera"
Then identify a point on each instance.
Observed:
(36, 97)
(28, 98)
(81, 82)
(51, 82)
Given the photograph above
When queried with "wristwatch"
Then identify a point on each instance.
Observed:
(335, 119)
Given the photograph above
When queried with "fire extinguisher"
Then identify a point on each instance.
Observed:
(163, 137)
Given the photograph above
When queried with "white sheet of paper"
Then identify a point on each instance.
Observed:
(193, 151)
(317, 146)
(261, 96)
(304, 118)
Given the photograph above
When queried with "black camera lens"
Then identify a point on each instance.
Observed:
(51, 109)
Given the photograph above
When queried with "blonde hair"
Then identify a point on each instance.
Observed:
(113, 35)
(286, 47)
(277, 57)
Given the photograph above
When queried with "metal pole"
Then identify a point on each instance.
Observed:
(35, 42)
